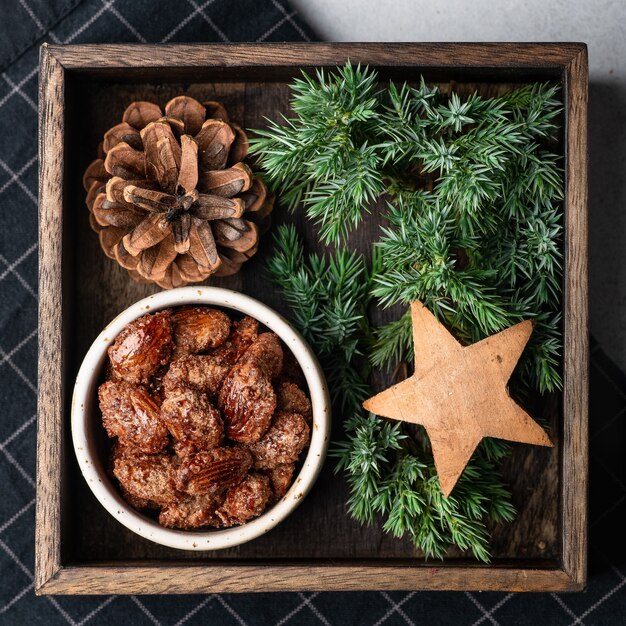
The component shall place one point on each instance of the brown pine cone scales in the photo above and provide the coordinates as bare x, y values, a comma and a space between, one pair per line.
172, 200
207, 429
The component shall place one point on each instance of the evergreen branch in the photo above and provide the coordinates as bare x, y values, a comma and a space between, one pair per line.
322, 158
474, 231
388, 472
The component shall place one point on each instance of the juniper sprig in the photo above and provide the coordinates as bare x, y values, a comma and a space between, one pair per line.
389, 474
321, 158
473, 192
471, 189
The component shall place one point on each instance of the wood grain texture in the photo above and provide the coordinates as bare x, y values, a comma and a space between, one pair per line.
318, 547
576, 316
50, 410
459, 394
234, 55
131, 579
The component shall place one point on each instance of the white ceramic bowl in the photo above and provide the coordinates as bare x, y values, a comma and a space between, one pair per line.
87, 426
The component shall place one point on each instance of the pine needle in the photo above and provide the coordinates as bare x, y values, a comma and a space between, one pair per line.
387, 472
473, 229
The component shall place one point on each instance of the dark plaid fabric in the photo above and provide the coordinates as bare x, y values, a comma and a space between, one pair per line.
24, 25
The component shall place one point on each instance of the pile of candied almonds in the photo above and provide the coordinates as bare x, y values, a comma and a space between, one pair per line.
208, 416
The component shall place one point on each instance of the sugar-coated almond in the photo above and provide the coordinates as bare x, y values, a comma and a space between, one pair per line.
247, 398
246, 500
192, 419
212, 472
208, 416
130, 413
247, 401
197, 329
291, 399
142, 347
206, 372
191, 512
288, 435
149, 477
280, 479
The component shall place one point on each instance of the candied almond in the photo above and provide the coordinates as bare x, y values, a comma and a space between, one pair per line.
202, 372
157, 384
149, 477
212, 472
280, 479
130, 413
247, 399
246, 500
206, 372
191, 512
197, 329
267, 353
192, 419
118, 451
134, 501
181, 449
291, 399
286, 438
291, 372
142, 347
244, 333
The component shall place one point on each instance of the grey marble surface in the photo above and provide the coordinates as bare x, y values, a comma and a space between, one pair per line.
599, 23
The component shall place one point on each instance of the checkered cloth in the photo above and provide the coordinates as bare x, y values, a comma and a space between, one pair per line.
24, 25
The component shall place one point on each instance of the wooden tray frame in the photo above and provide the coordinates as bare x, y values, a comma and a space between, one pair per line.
567, 61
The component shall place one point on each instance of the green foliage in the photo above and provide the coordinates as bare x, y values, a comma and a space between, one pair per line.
321, 158
389, 472
389, 476
480, 245
476, 288
328, 297
472, 193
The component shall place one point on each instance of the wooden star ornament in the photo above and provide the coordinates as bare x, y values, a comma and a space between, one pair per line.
459, 393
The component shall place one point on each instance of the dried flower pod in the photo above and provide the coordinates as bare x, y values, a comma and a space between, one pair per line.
122, 132
180, 173
246, 500
216, 111
212, 472
142, 347
140, 114
130, 413
288, 435
192, 419
95, 173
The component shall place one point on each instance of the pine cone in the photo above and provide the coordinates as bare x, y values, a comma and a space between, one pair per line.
171, 198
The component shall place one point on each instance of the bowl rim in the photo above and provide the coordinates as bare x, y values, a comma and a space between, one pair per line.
95, 473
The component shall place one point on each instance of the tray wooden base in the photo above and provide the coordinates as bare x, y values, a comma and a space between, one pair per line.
80, 548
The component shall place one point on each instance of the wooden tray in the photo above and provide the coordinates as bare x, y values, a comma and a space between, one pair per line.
83, 550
